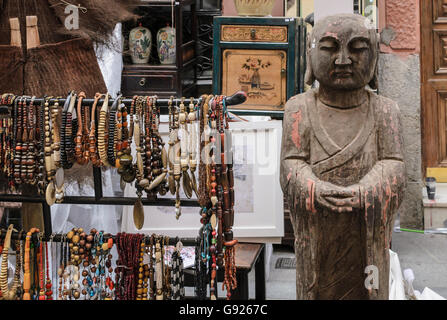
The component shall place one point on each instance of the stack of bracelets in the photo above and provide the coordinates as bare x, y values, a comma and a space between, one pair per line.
80, 265
41, 140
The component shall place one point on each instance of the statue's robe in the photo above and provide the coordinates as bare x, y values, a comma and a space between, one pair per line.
333, 249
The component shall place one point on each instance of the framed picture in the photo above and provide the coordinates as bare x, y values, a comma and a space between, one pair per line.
259, 210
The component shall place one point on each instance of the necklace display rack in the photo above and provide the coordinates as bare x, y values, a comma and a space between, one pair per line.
99, 198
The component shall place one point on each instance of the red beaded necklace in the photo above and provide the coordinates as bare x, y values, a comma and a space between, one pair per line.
48, 285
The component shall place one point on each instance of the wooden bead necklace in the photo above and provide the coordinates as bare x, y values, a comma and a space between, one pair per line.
41, 173
126, 168
79, 140
66, 133
152, 288
18, 143
93, 150
177, 276
27, 274
140, 285
102, 130
113, 134
159, 268
10, 293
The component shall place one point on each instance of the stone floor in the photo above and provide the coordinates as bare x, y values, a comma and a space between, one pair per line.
425, 254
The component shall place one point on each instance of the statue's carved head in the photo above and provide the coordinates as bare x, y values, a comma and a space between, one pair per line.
342, 53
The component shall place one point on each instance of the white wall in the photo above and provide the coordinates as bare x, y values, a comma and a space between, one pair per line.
328, 7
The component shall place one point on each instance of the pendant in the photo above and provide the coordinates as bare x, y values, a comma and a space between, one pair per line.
171, 183
187, 185
213, 221
50, 194
122, 183
194, 184
138, 214
129, 174
157, 181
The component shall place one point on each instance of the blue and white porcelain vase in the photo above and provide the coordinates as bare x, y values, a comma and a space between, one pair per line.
166, 45
140, 43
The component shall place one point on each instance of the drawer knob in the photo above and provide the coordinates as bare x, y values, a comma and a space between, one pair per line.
253, 34
142, 82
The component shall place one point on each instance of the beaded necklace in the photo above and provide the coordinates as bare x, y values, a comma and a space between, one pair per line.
18, 143
193, 145
111, 149
27, 274
171, 181
126, 168
93, 151
79, 140
152, 288
102, 138
159, 268
64, 133
140, 284
41, 175
9, 293
41, 271
48, 285
177, 276
30, 160
70, 132
184, 152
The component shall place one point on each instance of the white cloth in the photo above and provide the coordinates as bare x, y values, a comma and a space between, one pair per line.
401, 286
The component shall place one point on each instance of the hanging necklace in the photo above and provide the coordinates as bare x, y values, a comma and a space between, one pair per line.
10, 293
102, 141
93, 151
27, 274
184, 152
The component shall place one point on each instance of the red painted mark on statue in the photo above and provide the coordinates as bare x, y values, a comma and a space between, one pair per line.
310, 201
367, 205
387, 201
289, 175
295, 129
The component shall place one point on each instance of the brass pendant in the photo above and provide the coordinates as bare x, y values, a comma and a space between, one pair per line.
138, 214
50, 194
187, 185
129, 175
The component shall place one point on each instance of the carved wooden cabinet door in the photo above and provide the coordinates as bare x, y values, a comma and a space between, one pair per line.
259, 73
262, 56
434, 87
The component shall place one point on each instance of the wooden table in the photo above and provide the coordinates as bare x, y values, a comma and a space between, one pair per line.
249, 255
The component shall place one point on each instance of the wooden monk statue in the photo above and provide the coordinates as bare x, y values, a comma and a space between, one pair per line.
342, 167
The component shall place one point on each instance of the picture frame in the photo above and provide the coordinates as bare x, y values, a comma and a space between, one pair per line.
259, 210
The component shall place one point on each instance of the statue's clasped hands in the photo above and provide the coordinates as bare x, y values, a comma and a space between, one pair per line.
336, 198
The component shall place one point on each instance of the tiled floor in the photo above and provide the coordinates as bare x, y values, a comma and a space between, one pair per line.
425, 254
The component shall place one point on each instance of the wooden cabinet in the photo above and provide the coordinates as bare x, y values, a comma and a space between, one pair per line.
262, 56
153, 78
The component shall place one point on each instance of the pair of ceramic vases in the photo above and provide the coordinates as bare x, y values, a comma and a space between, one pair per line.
140, 45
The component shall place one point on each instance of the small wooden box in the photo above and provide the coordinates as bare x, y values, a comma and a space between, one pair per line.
262, 56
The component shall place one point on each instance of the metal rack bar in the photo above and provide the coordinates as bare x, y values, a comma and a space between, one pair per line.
60, 238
